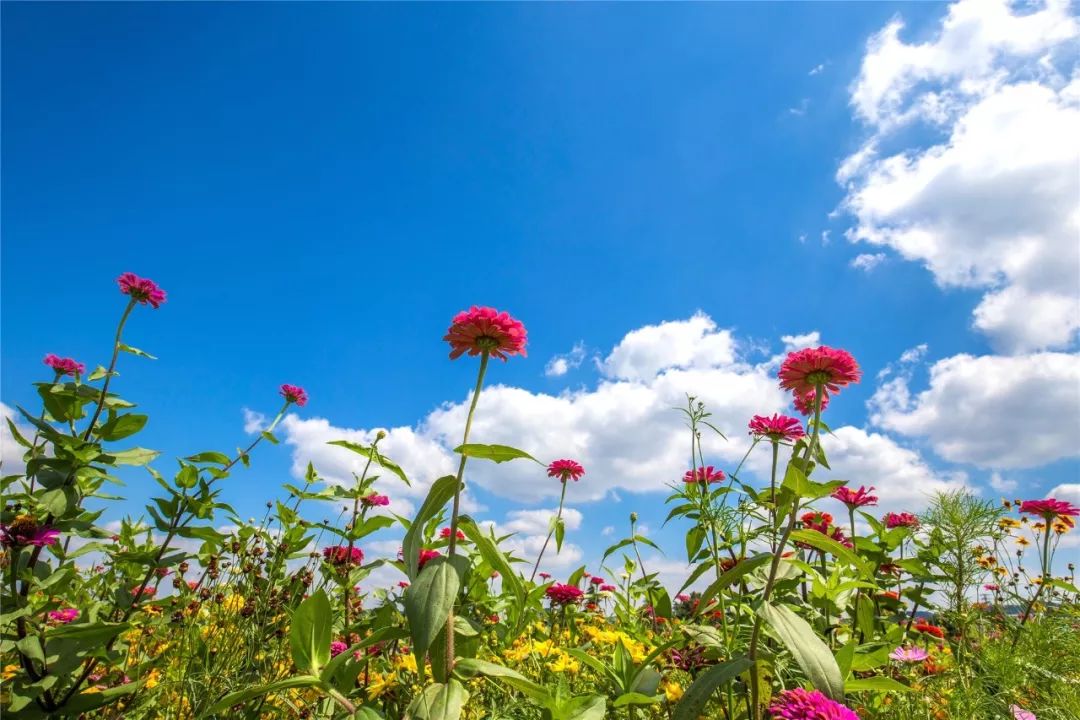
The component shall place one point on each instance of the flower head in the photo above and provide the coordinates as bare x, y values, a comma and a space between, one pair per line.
426, 556
925, 627
1020, 713
607, 588
294, 394
822, 522
24, 530
545, 576
565, 470
904, 519
375, 499
64, 366
485, 329
913, 654
804, 402
1049, 508
707, 475
776, 428
337, 647
560, 594
343, 555
596, 580
64, 615
142, 290
802, 704
445, 534
828, 368
855, 498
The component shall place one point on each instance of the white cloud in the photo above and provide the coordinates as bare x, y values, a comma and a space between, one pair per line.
913, 355
798, 342
991, 411
817, 69
11, 452
800, 109
608, 530
1004, 221
1001, 484
1069, 492
867, 261
559, 365
693, 343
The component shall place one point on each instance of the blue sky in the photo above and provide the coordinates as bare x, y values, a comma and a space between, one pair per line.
319, 188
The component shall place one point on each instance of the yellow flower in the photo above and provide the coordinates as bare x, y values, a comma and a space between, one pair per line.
92, 690
1023, 541
673, 691
564, 663
406, 662
234, 604
1008, 523
153, 679
9, 672
380, 684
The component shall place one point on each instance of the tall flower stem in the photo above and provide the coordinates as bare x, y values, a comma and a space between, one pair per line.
558, 518
112, 367
1042, 584
772, 493
452, 549
352, 525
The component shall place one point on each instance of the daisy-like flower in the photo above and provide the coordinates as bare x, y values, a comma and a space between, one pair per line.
560, 594
597, 580
776, 428
64, 366
855, 498
912, 654
607, 588
545, 576
64, 615
294, 394
828, 368
1022, 541
1020, 713
904, 519
24, 530
1049, 508
142, 290
707, 475
804, 403
485, 329
343, 555
991, 587
822, 523
565, 470
445, 534
802, 704
375, 500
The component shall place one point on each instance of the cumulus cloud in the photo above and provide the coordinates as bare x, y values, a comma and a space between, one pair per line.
559, 365
1004, 222
693, 343
867, 261
994, 412
11, 452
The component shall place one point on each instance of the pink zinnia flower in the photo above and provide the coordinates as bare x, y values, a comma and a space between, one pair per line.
427, 556
24, 530
485, 329
337, 647
1020, 713
777, 427
565, 470
822, 523
991, 587
64, 366
146, 591
142, 290
828, 368
402, 584
801, 704
804, 403
1048, 508
855, 498
294, 394
64, 616
904, 519
342, 555
913, 654
607, 588
445, 534
596, 580
707, 475
545, 576
375, 499
560, 594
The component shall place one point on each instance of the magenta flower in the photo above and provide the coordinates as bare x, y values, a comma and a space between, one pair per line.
776, 428
1020, 713
707, 475
560, 594
801, 704
427, 556
485, 329
337, 647
855, 498
143, 591
595, 580
822, 523
445, 534
904, 519
828, 368
991, 587
374, 500
545, 576
64, 366
1049, 508
294, 394
804, 403
607, 588
343, 555
64, 615
565, 470
912, 654
142, 290
24, 530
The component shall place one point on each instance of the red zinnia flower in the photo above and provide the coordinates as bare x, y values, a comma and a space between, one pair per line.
145, 591
855, 498
889, 595
828, 368
822, 522
426, 556
596, 580
607, 588
804, 403
565, 470
1048, 508
142, 290
445, 534
560, 594
294, 394
929, 629
343, 555
375, 499
64, 366
706, 475
481, 329
802, 704
777, 427
904, 519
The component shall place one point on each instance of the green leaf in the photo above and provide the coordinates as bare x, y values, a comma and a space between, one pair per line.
495, 453
85, 702
134, 456
692, 704
122, 426
560, 533
469, 667
30, 646
136, 351
374, 455
823, 542
634, 698
442, 490
209, 456
428, 602
741, 568
493, 556
584, 707
269, 437
812, 655
879, 684
309, 634
438, 701
255, 691
58, 500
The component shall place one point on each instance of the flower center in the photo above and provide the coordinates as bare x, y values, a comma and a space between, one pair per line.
486, 342
819, 378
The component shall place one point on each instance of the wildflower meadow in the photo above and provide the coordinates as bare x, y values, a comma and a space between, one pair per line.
954, 612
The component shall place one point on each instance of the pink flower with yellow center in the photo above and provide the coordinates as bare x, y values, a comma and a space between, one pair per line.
64, 615
855, 498
560, 594
776, 428
64, 366
913, 654
707, 475
565, 470
830, 369
804, 403
375, 500
1049, 508
904, 519
142, 290
485, 329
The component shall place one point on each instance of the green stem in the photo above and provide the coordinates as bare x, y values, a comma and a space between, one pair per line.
109, 372
558, 518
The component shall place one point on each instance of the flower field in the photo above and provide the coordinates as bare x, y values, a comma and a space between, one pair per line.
959, 611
